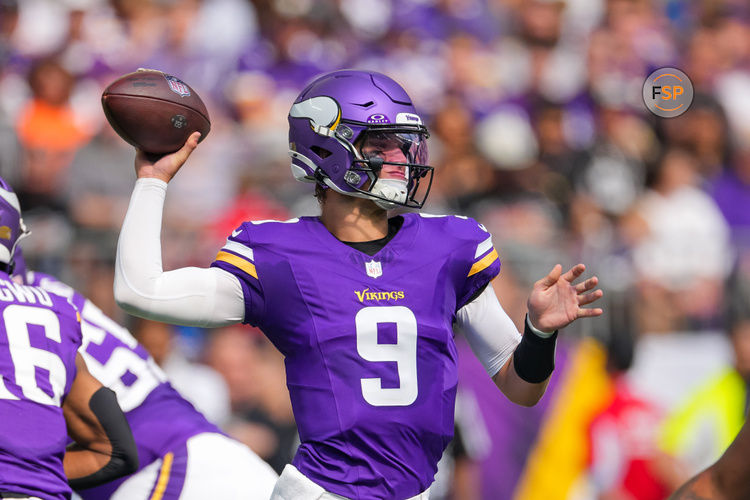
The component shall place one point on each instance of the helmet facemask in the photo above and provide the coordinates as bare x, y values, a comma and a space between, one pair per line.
393, 160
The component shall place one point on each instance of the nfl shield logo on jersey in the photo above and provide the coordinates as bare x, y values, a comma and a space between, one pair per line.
374, 269
177, 86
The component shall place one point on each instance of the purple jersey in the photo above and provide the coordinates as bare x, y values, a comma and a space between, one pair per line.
39, 336
161, 420
368, 340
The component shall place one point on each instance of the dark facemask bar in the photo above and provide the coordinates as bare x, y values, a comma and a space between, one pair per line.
371, 168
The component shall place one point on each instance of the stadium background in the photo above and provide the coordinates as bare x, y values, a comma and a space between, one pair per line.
538, 130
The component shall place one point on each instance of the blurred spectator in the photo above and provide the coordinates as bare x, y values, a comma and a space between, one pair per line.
683, 254
197, 383
704, 425
99, 184
262, 412
8, 23
249, 204
624, 459
731, 192
50, 134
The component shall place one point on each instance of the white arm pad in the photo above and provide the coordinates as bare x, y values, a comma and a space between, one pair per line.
488, 329
189, 296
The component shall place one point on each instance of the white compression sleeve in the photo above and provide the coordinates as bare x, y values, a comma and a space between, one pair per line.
490, 332
205, 297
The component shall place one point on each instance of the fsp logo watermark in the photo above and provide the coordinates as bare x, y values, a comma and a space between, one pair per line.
668, 92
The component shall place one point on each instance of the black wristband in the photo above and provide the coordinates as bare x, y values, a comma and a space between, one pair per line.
534, 358
124, 458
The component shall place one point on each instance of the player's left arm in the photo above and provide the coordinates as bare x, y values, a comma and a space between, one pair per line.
493, 337
519, 365
104, 447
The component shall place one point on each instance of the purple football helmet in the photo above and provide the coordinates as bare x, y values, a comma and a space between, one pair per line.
12, 228
338, 112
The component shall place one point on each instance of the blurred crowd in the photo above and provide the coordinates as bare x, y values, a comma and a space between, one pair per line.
538, 130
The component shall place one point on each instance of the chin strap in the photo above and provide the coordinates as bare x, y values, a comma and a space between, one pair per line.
391, 189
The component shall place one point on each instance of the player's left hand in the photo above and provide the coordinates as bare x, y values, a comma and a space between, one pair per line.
555, 301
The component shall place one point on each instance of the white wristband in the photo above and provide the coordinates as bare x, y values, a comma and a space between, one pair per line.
538, 332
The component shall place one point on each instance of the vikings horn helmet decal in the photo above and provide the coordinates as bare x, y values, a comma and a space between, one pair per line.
340, 111
322, 111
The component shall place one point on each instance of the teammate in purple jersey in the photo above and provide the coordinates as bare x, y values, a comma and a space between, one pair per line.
189, 457
176, 444
362, 305
45, 388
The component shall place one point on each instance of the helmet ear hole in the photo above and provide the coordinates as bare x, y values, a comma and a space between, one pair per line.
321, 152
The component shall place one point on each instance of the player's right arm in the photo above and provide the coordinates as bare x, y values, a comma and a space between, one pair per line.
521, 366
194, 296
104, 447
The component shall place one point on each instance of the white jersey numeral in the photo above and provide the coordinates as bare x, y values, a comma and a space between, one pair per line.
403, 352
26, 359
144, 374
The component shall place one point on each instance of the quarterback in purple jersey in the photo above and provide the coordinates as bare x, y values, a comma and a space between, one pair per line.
46, 393
362, 306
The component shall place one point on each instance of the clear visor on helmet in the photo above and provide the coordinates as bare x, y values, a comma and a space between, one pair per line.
394, 146
392, 153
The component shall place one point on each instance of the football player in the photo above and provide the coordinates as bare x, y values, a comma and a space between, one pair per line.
182, 455
361, 305
44, 387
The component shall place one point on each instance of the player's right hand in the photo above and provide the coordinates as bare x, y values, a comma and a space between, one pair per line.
164, 167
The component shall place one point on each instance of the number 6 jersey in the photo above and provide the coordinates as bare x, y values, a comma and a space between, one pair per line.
368, 340
39, 336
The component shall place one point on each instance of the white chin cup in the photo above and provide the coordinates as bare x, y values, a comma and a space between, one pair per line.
390, 189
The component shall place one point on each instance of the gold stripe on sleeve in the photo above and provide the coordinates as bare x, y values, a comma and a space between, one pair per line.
161, 483
238, 262
484, 263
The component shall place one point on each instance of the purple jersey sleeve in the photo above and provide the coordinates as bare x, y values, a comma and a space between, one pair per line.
474, 261
475, 253
237, 257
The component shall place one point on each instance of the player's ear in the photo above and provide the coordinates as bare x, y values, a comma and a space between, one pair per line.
320, 193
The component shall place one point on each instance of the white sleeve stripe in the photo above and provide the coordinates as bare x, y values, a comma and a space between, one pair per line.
483, 247
239, 249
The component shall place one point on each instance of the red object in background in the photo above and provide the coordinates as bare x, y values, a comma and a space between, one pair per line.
622, 447
246, 207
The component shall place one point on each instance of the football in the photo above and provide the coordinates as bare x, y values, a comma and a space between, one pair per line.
154, 111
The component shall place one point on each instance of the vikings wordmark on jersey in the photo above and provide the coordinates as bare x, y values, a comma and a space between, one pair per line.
369, 351
39, 336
